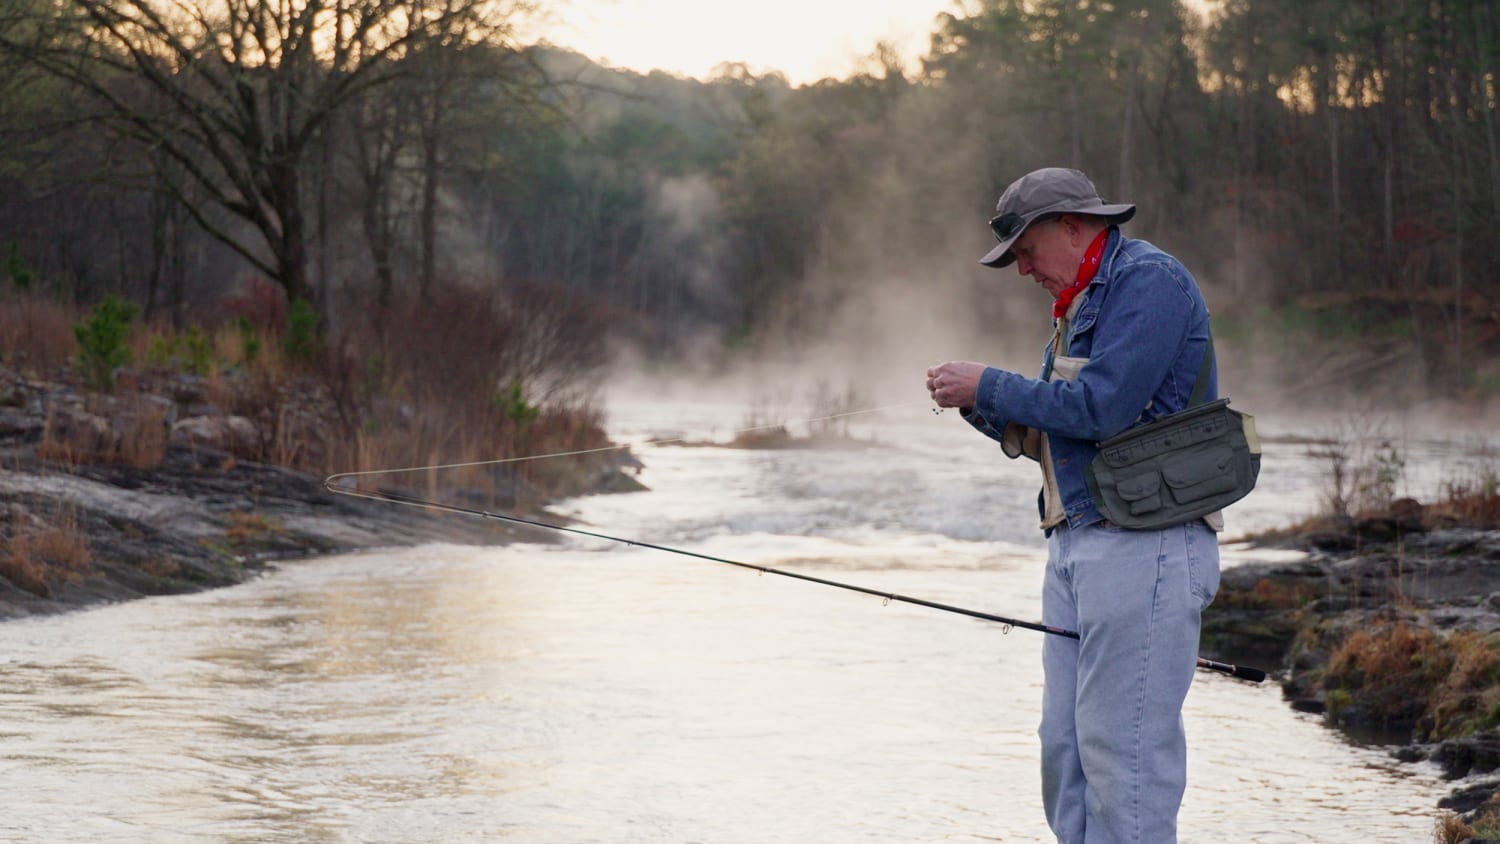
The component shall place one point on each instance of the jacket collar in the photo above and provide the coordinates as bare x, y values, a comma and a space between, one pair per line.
1111, 251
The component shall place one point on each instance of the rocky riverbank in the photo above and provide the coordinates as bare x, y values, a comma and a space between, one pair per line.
1387, 626
152, 489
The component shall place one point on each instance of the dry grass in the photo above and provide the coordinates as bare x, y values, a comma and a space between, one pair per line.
1397, 676
1385, 674
37, 332
1473, 500
246, 527
1272, 594
471, 375
468, 379
1468, 699
36, 558
1449, 828
143, 435
65, 443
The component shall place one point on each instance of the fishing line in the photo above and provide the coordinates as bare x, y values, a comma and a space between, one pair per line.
1254, 675
622, 446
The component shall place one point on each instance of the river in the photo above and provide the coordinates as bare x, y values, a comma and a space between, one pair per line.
588, 691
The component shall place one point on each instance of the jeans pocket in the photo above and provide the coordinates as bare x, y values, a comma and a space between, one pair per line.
1203, 566
1203, 577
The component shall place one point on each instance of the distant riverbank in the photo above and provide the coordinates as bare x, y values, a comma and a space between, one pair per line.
87, 521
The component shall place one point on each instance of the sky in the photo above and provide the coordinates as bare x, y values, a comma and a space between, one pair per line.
806, 40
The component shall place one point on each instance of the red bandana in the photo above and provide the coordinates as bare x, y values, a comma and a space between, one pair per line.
1086, 272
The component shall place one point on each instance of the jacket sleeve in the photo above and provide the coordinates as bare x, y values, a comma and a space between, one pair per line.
985, 416
1137, 336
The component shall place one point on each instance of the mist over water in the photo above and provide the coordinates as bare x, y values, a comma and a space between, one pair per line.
577, 690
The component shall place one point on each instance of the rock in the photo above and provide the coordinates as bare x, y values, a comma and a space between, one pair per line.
1469, 798
230, 434
12, 393
18, 424
77, 433
1476, 754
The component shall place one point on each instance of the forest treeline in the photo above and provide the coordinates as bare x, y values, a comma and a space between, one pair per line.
1330, 170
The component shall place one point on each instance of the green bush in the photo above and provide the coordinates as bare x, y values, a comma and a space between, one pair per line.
301, 339
249, 340
102, 338
512, 400
199, 350
19, 275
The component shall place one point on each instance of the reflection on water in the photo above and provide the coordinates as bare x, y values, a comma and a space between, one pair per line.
588, 692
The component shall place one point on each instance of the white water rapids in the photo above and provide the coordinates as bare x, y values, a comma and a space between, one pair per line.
586, 691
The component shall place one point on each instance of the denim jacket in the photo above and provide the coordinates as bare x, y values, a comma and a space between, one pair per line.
1144, 329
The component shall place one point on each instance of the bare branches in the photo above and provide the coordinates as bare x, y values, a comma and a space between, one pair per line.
234, 92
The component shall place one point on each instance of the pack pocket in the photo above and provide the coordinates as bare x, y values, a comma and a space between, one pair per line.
1197, 474
1141, 493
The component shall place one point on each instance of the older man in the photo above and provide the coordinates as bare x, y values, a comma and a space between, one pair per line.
1130, 343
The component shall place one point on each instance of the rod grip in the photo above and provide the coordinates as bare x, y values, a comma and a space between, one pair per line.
1245, 672
1242, 672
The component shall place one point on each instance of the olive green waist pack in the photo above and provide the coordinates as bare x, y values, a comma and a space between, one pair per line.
1179, 468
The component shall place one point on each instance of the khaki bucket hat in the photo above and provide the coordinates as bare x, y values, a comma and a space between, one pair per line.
1042, 194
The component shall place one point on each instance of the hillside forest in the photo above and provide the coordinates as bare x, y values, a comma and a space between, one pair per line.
406, 179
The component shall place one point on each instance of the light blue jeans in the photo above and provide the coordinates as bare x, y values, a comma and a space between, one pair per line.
1114, 754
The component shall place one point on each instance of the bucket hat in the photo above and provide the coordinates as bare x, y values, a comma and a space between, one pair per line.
1042, 194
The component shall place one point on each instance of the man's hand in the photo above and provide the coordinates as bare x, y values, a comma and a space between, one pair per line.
955, 383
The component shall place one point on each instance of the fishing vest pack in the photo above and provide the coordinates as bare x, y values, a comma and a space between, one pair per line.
1179, 468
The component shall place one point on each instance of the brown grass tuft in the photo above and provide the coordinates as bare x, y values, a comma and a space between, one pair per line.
1397, 676
244, 527
37, 332
1468, 699
144, 434
1386, 673
1449, 828
55, 552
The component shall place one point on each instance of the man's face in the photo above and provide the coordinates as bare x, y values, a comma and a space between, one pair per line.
1049, 252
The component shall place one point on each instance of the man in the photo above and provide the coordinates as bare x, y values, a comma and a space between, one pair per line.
1131, 335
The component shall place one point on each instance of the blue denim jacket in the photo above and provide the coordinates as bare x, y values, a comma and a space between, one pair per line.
1144, 329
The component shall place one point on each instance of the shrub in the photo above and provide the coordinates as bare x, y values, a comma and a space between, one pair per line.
1361, 478
189, 351
300, 342
16, 268
1384, 676
512, 400
102, 338
55, 552
1396, 676
249, 340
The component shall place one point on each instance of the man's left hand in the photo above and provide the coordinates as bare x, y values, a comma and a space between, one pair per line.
955, 383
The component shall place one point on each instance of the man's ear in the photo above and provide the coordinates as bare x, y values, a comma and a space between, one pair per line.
1073, 226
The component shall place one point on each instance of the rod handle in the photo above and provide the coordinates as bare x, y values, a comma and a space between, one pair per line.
1242, 672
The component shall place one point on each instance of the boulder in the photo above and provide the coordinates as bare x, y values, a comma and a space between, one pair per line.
233, 434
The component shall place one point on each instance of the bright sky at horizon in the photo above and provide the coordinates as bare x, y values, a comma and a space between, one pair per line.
806, 40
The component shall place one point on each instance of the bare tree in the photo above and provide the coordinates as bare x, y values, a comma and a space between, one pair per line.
234, 93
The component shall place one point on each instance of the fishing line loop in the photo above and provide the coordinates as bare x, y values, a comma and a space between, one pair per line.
336, 484
1254, 675
331, 479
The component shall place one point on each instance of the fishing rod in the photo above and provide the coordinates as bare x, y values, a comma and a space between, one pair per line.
1243, 672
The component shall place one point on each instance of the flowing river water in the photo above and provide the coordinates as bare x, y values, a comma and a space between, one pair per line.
588, 691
